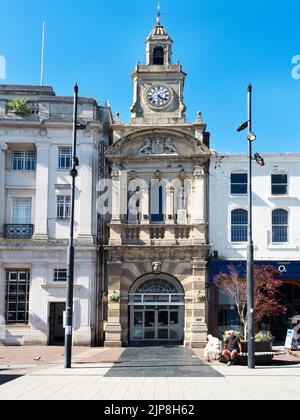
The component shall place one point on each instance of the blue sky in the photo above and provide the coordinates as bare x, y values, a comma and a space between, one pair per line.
222, 45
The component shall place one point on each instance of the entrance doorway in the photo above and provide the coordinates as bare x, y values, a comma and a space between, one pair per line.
156, 324
56, 324
156, 312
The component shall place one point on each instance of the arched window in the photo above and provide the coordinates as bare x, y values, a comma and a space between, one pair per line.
280, 226
239, 225
279, 183
158, 56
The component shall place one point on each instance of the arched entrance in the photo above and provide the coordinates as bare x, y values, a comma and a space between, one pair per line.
156, 305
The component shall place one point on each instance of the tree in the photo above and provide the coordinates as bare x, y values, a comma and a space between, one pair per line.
267, 295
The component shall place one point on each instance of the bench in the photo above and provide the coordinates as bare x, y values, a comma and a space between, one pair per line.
264, 358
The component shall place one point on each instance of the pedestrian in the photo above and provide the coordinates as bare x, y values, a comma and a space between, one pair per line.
212, 349
233, 348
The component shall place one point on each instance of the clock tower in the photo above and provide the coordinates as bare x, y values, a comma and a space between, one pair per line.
158, 85
157, 245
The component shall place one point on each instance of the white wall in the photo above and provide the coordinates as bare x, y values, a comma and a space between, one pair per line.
222, 203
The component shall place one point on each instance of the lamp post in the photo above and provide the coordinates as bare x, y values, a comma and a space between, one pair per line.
250, 253
71, 248
250, 248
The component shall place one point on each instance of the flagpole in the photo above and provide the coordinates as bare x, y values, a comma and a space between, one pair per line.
43, 55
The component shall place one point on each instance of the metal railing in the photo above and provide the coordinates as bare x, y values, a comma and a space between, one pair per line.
18, 231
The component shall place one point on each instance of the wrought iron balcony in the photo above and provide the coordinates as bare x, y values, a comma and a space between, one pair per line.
18, 231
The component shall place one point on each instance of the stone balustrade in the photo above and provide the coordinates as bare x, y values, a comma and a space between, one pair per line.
139, 234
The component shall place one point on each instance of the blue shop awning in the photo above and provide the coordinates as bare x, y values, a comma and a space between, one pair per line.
290, 270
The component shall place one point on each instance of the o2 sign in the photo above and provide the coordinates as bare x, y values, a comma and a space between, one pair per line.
282, 269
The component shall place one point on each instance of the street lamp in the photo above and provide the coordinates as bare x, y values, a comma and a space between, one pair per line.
71, 248
250, 253
252, 137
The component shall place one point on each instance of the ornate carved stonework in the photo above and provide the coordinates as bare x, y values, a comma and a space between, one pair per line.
158, 146
3, 147
199, 173
115, 175
156, 267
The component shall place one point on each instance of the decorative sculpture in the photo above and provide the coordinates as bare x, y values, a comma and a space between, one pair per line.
158, 146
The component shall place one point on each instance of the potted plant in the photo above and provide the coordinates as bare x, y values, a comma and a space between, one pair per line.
200, 298
114, 297
20, 106
264, 342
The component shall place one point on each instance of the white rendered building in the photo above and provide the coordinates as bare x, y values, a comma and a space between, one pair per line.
276, 227
35, 158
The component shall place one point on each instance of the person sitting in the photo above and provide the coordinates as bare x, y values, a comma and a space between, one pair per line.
212, 349
233, 348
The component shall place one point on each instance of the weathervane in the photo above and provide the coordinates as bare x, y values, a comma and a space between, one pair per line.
159, 13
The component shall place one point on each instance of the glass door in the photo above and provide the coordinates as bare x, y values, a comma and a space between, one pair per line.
163, 325
138, 325
156, 324
174, 325
150, 325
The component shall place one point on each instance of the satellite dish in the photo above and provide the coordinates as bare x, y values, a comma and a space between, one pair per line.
3, 147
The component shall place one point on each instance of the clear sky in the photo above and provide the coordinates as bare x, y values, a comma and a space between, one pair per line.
222, 44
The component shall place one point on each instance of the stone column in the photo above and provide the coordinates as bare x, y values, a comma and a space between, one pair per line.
86, 193
199, 191
37, 311
113, 331
199, 329
199, 206
119, 179
116, 197
169, 205
42, 192
3, 148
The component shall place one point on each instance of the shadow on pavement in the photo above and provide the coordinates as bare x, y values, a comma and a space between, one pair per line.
4, 379
166, 362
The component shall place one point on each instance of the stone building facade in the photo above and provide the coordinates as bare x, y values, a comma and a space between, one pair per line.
35, 158
158, 245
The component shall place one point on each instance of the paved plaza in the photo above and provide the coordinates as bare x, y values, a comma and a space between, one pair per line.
164, 373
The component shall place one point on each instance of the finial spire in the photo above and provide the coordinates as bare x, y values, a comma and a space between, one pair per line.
158, 20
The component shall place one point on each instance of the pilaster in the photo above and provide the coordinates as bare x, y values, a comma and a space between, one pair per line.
3, 148
113, 330
86, 193
42, 191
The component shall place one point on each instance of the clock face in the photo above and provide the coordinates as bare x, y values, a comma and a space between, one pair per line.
158, 96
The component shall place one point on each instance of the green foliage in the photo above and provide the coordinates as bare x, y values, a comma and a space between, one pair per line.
261, 337
264, 337
114, 297
200, 298
19, 106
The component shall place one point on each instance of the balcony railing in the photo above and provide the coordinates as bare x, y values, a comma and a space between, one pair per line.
121, 234
18, 231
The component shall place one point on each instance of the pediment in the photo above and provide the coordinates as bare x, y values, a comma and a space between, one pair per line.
156, 143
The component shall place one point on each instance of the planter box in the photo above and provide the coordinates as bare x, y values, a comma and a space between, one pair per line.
259, 347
